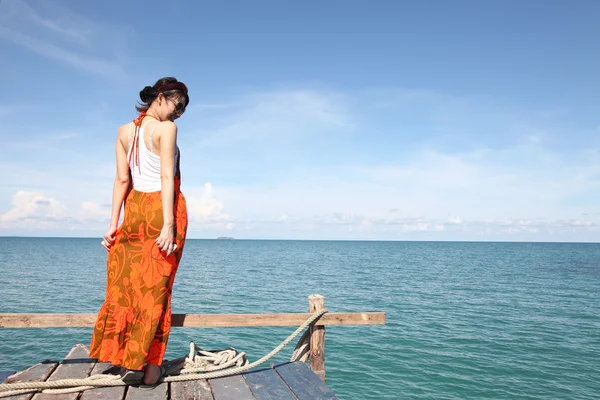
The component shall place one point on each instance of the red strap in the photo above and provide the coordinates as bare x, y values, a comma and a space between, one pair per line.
136, 141
138, 120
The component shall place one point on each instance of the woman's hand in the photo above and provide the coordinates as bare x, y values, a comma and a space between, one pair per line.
166, 240
109, 237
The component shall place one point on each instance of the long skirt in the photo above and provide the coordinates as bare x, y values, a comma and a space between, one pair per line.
134, 322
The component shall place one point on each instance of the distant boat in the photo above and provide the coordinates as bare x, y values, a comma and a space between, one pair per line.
224, 238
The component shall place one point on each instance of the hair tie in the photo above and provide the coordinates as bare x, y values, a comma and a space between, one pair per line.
147, 94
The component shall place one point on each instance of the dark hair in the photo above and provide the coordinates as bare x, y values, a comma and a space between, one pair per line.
150, 93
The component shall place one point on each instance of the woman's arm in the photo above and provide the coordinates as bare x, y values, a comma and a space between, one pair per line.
120, 187
167, 139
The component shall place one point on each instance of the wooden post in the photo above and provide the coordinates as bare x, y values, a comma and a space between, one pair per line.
316, 303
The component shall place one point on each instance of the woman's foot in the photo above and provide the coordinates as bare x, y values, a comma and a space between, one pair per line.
113, 370
152, 373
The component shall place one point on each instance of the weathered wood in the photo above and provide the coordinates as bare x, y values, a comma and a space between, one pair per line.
76, 365
196, 320
266, 384
303, 382
112, 392
5, 374
231, 387
193, 390
37, 373
157, 393
47, 320
316, 303
190, 390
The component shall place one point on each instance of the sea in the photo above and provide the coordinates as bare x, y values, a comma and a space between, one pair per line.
464, 320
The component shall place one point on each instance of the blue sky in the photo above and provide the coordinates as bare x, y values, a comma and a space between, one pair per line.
387, 120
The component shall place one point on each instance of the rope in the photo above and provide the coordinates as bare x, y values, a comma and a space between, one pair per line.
219, 374
302, 348
220, 359
79, 388
65, 385
10, 389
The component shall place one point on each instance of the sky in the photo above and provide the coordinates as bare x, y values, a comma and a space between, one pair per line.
325, 120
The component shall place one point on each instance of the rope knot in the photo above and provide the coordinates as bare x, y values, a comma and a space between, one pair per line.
199, 360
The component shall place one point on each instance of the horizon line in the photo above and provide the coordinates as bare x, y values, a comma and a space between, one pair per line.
232, 239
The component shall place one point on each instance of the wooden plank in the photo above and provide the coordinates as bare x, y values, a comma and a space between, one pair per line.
190, 390
196, 320
231, 388
303, 382
47, 320
113, 392
76, 365
159, 392
196, 390
266, 384
37, 373
5, 374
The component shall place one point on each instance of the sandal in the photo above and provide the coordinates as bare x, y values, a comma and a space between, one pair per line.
163, 372
132, 377
113, 370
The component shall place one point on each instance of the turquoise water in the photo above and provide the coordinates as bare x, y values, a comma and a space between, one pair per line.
464, 320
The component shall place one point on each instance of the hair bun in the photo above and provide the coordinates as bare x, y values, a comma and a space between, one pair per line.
147, 94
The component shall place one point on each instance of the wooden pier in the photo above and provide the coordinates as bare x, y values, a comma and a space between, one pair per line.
291, 380
279, 382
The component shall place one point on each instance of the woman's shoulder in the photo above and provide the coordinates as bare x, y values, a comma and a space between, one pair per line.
123, 133
168, 127
125, 128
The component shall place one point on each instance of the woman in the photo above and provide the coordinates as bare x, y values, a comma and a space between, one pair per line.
133, 324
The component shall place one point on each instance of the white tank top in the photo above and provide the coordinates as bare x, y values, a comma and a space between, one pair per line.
146, 174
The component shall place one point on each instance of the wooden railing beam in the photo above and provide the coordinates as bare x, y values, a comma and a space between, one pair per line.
196, 320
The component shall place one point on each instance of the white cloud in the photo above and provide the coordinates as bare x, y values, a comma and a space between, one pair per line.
33, 211
277, 116
93, 211
204, 207
422, 226
454, 220
32, 206
56, 32
290, 164
466, 195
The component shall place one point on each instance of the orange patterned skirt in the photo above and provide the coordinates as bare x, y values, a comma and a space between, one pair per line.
134, 322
